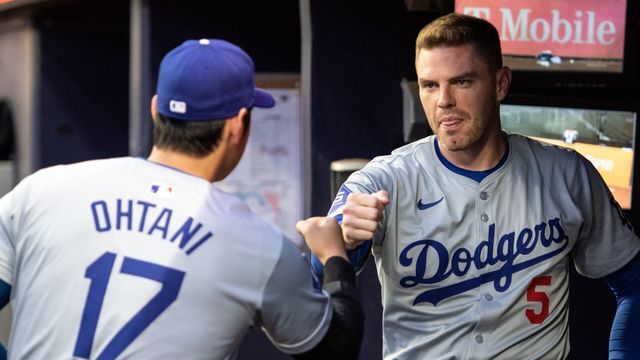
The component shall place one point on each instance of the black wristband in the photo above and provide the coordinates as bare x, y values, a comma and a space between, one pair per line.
340, 279
339, 269
341, 289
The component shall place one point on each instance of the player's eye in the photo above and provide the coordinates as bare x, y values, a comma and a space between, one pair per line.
463, 82
428, 85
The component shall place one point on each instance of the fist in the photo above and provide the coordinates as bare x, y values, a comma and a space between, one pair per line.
323, 237
360, 217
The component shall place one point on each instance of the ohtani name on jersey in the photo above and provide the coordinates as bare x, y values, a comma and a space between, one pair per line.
146, 217
549, 235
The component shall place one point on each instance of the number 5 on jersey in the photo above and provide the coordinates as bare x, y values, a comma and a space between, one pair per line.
533, 295
99, 272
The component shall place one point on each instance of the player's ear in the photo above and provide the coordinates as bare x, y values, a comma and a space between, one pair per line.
236, 126
154, 106
503, 80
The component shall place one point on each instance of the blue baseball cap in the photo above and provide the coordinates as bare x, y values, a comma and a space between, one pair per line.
208, 80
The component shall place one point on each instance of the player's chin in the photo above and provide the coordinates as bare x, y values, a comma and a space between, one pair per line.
452, 143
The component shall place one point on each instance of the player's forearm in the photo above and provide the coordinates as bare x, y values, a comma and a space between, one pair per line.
357, 257
344, 336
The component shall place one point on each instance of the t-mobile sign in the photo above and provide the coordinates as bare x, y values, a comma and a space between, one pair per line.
591, 29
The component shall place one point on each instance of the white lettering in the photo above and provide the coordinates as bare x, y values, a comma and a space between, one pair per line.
556, 22
533, 32
510, 30
590, 26
557, 29
578, 32
606, 28
478, 12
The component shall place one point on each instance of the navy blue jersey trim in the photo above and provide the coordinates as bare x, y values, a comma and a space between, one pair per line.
477, 176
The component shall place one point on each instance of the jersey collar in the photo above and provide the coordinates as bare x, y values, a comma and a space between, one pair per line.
477, 176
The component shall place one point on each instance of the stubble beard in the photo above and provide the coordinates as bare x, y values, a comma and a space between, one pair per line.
458, 139
457, 142
469, 136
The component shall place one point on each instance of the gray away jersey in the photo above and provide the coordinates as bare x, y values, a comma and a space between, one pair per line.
125, 258
480, 270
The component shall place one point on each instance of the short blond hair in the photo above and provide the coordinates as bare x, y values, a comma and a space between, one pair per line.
457, 29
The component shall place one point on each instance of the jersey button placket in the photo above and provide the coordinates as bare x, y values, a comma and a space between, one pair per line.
484, 298
484, 196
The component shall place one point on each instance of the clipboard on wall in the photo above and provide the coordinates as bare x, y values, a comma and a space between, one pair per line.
269, 177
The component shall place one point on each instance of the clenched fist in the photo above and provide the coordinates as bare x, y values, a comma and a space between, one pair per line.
360, 216
323, 237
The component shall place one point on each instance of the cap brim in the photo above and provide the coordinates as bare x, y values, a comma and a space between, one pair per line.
263, 99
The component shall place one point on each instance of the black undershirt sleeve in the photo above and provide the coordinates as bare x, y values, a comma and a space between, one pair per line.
344, 336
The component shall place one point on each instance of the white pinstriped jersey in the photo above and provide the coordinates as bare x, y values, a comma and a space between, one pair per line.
125, 258
479, 270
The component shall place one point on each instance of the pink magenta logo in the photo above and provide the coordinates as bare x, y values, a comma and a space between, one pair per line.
587, 29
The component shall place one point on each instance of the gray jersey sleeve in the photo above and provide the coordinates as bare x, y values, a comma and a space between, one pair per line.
607, 240
294, 315
370, 179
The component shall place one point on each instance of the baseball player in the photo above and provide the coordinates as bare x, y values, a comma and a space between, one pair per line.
471, 229
147, 259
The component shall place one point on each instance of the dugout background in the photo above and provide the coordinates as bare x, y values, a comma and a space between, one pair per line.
79, 76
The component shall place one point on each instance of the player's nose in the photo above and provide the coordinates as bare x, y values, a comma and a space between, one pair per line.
445, 97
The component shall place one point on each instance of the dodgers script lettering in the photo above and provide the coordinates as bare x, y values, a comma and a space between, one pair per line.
501, 256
